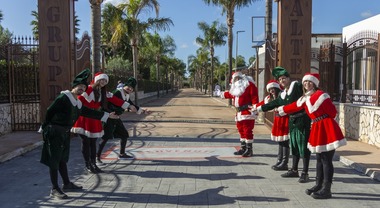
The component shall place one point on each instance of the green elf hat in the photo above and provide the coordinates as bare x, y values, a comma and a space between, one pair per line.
81, 78
279, 71
131, 82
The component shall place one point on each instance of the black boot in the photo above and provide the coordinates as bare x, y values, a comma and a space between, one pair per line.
285, 159
248, 152
97, 169
242, 149
279, 157
324, 192
90, 168
317, 187
304, 176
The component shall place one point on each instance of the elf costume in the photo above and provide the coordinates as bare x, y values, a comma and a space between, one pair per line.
299, 125
115, 127
60, 117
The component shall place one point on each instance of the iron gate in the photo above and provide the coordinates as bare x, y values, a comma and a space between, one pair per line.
24, 85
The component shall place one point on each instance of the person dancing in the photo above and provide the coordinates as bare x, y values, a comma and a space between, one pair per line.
60, 117
95, 97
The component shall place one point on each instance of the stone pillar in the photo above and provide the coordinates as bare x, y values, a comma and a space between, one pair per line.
57, 47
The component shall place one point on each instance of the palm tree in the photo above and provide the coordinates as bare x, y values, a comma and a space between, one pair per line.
96, 25
214, 35
111, 18
135, 27
34, 24
157, 47
198, 67
229, 8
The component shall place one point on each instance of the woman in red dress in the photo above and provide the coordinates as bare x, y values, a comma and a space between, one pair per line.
325, 134
95, 97
280, 127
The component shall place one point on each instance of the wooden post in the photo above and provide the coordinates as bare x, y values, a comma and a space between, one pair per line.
294, 36
56, 47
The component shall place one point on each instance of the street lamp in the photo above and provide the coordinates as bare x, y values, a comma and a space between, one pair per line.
237, 45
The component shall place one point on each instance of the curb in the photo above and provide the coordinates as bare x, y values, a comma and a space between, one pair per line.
19, 151
374, 174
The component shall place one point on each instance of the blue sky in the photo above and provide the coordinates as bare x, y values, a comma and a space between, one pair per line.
329, 16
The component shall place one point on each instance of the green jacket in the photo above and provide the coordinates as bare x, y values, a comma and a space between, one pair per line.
119, 93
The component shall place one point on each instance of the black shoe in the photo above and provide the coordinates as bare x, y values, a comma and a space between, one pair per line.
239, 152
58, 194
125, 157
304, 178
90, 168
71, 187
99, 161
291, 174
248, 150
280, 167
97, 169
315, 188
324, 192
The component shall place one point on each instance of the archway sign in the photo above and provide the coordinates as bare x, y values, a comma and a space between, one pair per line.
57, 47
294, 36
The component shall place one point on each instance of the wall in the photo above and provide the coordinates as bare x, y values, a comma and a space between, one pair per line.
5, 119
360, 123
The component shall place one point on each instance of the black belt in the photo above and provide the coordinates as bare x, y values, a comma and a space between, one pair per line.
319, 118
297, 115
241, 108
61, 128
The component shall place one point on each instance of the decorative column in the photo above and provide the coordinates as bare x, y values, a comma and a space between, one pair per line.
294, 36
56, 44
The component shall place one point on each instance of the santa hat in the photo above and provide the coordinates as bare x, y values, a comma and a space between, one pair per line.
99, 76
236, 74
312, 77
272, 84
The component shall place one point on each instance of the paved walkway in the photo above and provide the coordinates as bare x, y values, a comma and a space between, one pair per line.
184, 159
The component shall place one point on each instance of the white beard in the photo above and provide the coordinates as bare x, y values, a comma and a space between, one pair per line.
238, 87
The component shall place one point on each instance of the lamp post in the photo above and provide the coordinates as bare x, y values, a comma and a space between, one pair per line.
237, 45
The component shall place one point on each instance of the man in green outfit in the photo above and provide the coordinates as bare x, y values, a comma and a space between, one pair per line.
299, 123
60, 117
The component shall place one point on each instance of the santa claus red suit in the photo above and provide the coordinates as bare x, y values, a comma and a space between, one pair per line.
244, 93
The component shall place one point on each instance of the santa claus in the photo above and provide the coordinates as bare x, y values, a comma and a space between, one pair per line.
244, 93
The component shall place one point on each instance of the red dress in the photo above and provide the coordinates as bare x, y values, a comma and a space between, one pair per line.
325, 133
280, 128
89, 127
